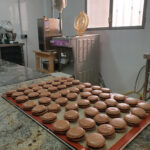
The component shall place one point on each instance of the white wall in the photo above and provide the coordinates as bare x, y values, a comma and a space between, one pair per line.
122, 50
30, 11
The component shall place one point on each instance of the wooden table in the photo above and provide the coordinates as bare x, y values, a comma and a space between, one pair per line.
50, 56
147, 57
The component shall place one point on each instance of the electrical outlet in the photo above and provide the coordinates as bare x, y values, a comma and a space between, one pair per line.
24, 36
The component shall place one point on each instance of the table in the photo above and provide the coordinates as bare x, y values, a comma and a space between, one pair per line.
12, 52
11, 73
147, 57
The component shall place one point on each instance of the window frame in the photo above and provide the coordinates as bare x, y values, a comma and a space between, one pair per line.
111, 16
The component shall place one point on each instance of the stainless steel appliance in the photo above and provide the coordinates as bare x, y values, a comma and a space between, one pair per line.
47, 28
86, 55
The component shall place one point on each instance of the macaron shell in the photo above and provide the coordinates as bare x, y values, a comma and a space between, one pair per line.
75, 132
139, 112
87, 123
95, 140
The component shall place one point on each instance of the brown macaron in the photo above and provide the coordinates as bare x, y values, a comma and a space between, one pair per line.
45, 94
71, 115
76, 82
85, 94
83, 103
87, 90
55, 83
64, 92
60, 87
44, 101
111, 102
131, 101
119, 124
54, 96
75, 134
49, 117
54, 108
74, 90
105, 90
22, 89
56, 79
61, 126
87, 123
26, 92
101, 106
46, 86
64, 78
32, 86
16, 94
101, 119
119, 98
10, 92
33, 95
72, 96
21, 99
41, 83
140, 112
124, 107
132, 120
95, 141
29, 105
53, 89
68, 84
36, 88
93, 98
87, 84
145, 106
106, 130
91, 112
70, 79
62, 81
39, 110
81, 87
104, 96
62, 101
49, 81
96, 87
42, 90
71, 106
96, 92
113, 112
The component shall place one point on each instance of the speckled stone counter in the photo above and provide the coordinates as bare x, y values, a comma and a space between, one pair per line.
11, 73
18, 132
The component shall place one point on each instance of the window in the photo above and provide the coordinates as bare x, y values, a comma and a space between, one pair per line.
116, 13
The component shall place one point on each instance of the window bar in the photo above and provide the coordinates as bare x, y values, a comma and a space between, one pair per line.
140, 11
144, 13
110, 13
131, 17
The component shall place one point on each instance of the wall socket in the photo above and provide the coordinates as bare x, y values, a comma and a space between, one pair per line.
24, 36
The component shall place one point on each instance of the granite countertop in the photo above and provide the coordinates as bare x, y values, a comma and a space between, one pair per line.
11, 73
18, 132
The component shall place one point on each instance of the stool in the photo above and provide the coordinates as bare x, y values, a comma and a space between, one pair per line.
147, 57
50, 56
